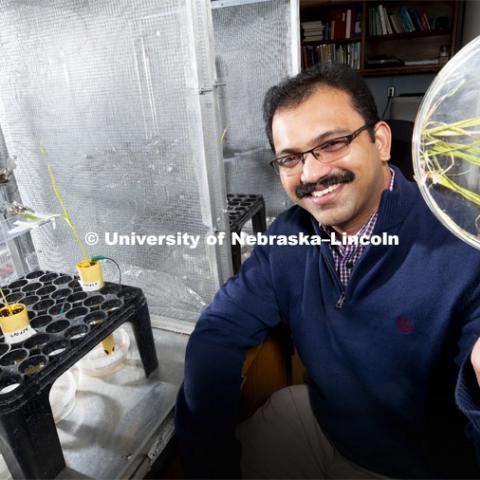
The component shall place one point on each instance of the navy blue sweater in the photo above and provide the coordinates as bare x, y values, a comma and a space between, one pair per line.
392, 384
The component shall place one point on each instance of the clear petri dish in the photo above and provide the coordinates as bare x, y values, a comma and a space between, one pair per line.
446, 145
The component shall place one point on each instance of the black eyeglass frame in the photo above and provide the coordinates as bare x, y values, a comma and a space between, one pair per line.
349, 139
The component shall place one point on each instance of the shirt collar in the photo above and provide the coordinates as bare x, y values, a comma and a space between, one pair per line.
366, 226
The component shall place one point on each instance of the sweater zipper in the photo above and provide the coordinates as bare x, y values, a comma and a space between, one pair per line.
340, 301
341, 298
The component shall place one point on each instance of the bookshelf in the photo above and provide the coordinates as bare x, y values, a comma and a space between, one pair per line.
380, 38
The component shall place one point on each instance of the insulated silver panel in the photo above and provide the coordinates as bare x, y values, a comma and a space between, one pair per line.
118, 97
257, 45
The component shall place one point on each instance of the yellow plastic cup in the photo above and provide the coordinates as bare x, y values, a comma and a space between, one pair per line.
91, 279
108, 344
91, 275
14, 323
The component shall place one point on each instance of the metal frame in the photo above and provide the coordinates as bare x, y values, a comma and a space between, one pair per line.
212, 171
296, 44
234, 3
20, 247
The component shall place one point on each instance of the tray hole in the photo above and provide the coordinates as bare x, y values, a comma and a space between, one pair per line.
37, 341
111, 305
43, 305
77, 297
77, 312
62, 280
46, 290
62, 293
14, 357
31, 287
95, 318
33, 364
15, 297
57, 327
48, 277
6, 291
75, 285
30, 300
94, 302
9, 383
76, 332
18, 284
55, 348
41, 321
33, 275
4, 348
59, 308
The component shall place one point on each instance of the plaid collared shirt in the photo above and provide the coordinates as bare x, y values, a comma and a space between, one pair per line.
346, 256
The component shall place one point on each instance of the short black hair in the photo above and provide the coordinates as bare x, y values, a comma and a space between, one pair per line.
292, 91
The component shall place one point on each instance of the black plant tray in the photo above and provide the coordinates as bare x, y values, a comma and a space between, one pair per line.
242, 207
69, 323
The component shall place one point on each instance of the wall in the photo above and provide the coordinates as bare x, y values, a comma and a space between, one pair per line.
404, 84
420, 83
471, 26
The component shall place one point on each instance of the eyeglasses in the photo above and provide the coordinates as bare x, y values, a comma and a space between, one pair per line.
326, 152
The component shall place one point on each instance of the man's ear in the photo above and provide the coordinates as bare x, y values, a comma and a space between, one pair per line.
383, 140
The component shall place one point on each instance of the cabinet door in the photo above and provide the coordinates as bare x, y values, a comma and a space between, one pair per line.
257, 44
118, 97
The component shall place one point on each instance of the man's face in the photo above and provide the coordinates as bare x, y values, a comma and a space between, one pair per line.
325, 115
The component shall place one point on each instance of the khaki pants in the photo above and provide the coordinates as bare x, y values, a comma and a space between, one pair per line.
284, 440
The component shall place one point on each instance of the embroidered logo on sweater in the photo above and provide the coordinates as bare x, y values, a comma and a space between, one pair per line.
405, 325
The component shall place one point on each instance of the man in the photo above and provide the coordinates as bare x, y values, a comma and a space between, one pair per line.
387, 333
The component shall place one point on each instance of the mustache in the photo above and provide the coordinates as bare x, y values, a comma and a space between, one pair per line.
307, 188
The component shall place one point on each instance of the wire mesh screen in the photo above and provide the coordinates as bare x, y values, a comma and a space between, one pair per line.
256, 45
108, 94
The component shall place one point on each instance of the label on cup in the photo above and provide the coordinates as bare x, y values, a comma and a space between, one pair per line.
91, 286
19, 335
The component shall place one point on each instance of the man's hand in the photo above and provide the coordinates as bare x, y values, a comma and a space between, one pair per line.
475, 359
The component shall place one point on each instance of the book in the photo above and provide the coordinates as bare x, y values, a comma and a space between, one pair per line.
313, 24
378, 25
357, 18
415, 19
406, 19
314, 38
348, 23
383, 26
340, 25
425, 21
387, 21
396, 27
371, 24
402, 28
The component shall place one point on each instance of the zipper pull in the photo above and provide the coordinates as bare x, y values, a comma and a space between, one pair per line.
340, 301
